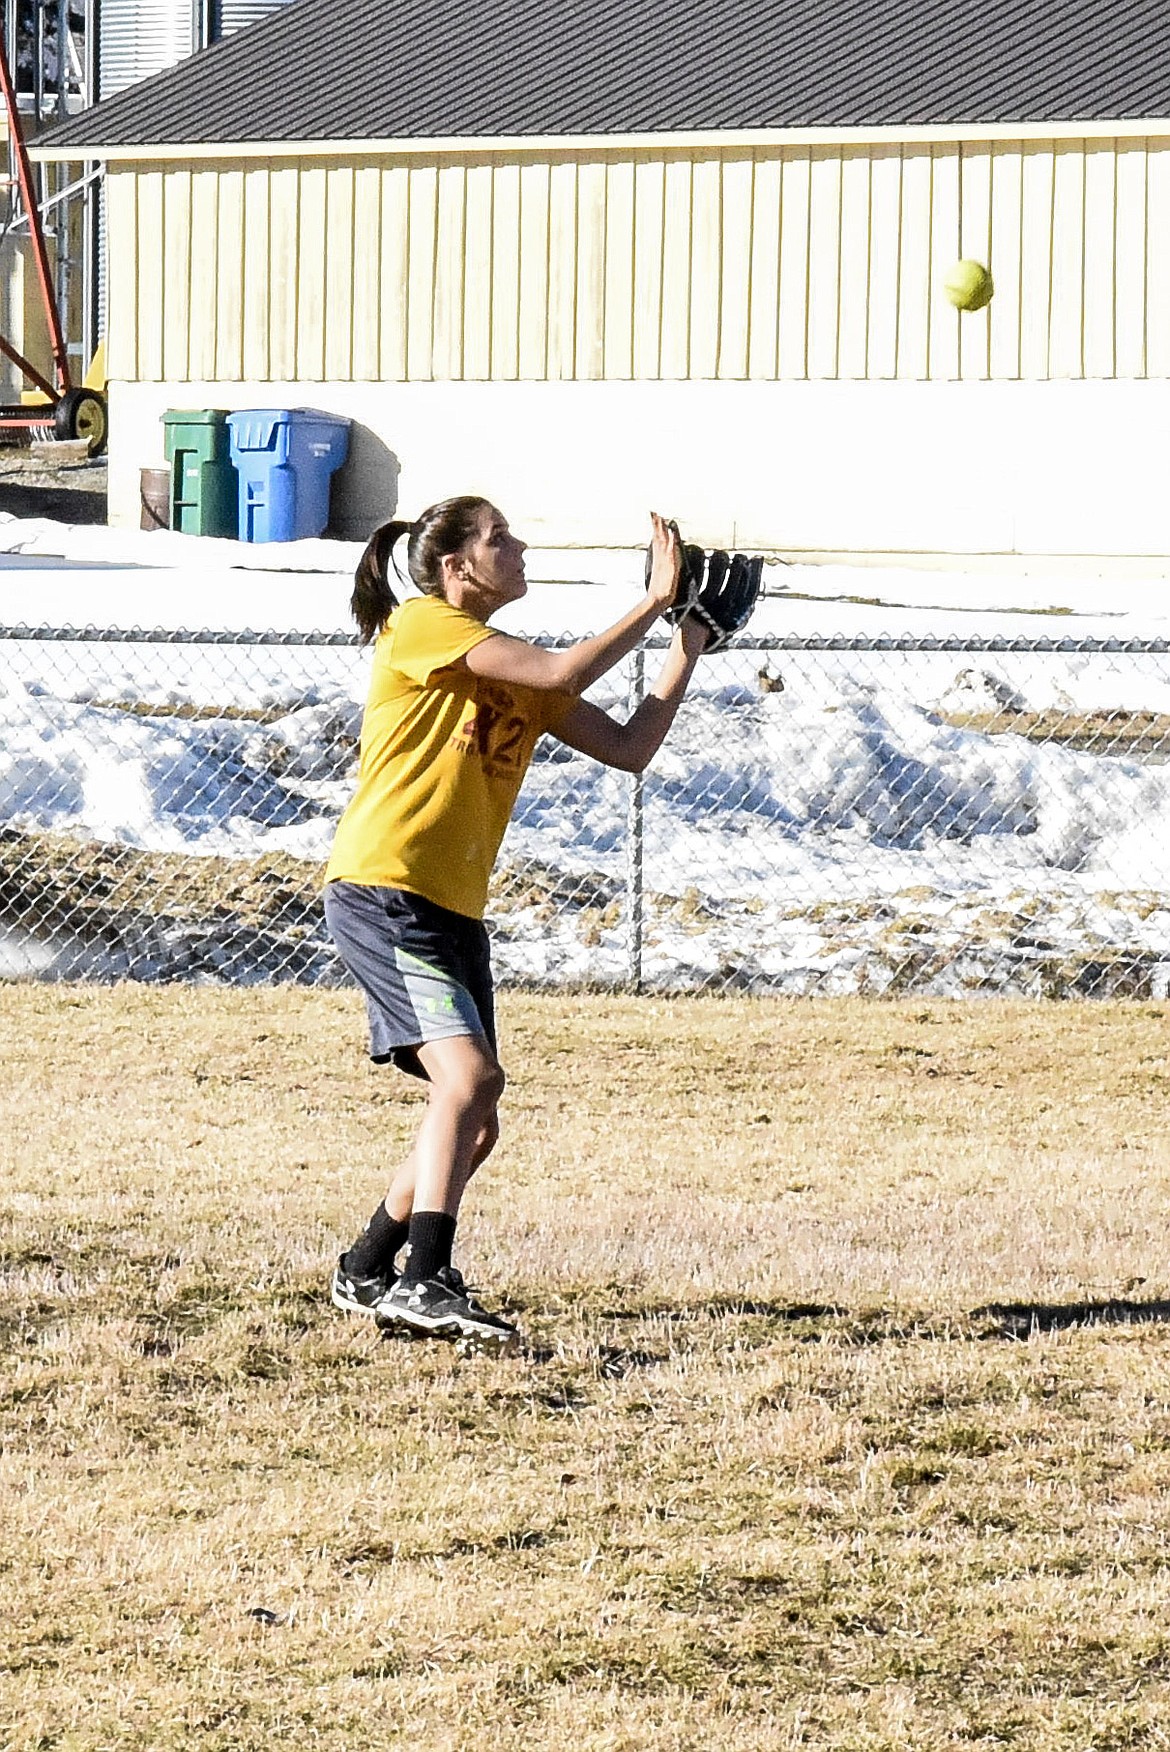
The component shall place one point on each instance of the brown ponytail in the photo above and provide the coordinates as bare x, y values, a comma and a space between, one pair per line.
442, 529
373, 601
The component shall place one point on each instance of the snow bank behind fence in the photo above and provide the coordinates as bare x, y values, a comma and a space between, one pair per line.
848, 813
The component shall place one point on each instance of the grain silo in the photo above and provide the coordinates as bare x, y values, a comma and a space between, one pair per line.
138, 38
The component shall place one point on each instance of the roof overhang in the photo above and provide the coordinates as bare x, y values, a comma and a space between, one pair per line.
605, 145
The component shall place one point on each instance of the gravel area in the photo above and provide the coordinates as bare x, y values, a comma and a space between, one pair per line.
57, 481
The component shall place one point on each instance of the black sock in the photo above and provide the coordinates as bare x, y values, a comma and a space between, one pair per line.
432, 1235
372, 1255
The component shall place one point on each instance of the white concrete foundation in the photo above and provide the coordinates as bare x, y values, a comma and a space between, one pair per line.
963, 468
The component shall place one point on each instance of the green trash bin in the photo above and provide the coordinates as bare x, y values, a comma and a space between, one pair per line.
204, 485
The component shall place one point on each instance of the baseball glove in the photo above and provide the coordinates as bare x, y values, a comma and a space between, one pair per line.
719, 589
727, 595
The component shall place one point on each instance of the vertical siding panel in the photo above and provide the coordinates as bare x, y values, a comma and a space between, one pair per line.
449, 267
257, 322
229, 290
853, 274
1007, 169
478, 282
176, 274
1157, 261
562, 269
150, 276
735, 303
975, 243
204, 270
367, 252
619, 271
675, 345
649, 243
764, 269
944, 252
1100, 355
422, 212
311, 274
706, 266
792, 321
534, 269
121, 269
339, 274
589, 335
1131, 259
505, 334
916, 290
284, 187
394, 273
885, 223
1066, 357
824, 264
1035, 261
122, 276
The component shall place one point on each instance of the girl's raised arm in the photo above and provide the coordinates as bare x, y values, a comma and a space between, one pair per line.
632, 746
502, 658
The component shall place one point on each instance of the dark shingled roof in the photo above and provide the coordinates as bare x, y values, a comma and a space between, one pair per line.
409, 69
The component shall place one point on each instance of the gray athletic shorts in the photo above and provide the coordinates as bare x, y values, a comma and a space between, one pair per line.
426, 972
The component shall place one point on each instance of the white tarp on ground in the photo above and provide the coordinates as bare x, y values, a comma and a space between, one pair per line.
305, 585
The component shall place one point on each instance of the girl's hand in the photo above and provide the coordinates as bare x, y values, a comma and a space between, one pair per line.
665, 564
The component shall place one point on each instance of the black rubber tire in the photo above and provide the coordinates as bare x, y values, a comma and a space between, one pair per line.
81, 413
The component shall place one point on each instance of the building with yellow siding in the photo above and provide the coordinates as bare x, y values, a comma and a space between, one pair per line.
590, 259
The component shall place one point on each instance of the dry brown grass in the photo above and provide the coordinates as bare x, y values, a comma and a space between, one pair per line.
1105, 732
776, 1472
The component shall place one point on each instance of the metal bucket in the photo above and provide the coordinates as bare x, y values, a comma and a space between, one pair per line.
155, 495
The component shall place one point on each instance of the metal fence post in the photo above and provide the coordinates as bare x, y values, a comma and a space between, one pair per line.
635, 843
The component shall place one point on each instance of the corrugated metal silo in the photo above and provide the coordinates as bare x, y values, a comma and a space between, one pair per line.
139, 37
229, 16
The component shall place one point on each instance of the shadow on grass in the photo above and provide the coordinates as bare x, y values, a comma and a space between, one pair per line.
1021, 1319
814, 1323
723, 1307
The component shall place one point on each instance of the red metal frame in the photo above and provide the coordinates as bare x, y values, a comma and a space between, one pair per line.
23, 415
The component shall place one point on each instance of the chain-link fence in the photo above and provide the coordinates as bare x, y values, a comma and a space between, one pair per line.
829, 815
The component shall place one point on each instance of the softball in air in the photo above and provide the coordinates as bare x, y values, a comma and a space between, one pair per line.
968, 285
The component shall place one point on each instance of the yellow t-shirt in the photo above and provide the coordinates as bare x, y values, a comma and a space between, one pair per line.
443, 754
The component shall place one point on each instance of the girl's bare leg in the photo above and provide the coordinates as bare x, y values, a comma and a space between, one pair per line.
399, 1200
458, 1131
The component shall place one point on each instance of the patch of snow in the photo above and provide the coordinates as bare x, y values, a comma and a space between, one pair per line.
835, 833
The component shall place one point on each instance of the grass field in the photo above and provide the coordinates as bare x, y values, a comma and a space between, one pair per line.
844, 1422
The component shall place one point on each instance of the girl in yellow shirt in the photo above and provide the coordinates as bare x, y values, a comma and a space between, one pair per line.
455, 709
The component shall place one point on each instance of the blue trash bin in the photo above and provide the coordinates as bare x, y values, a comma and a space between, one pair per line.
285, 459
